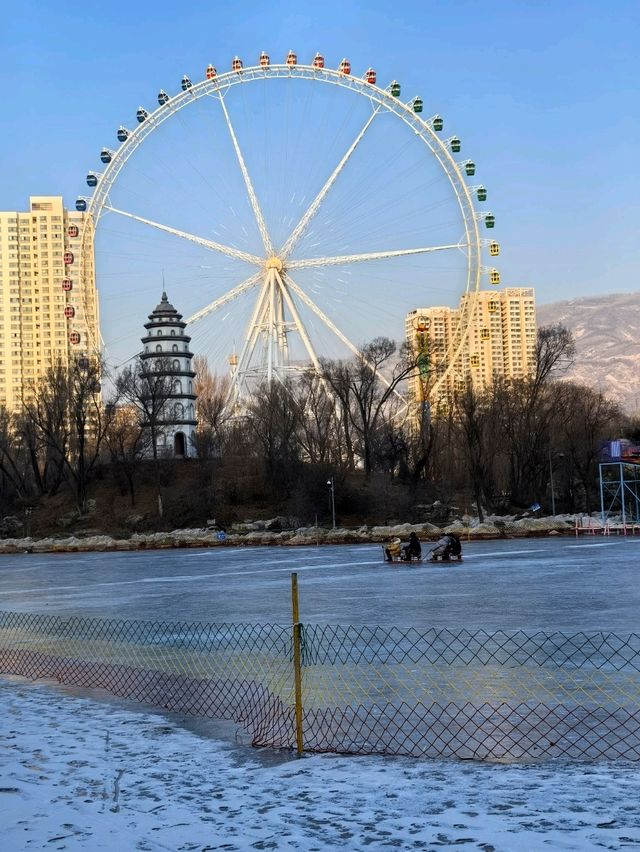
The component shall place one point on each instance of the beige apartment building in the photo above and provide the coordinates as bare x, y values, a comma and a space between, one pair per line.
48, 298
500, 341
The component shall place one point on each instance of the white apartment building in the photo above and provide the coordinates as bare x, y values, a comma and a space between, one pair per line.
500, 341
48, 299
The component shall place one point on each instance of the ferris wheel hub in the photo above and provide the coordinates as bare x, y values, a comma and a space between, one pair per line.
274, 263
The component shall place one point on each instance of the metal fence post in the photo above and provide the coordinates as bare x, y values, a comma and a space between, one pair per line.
297, 665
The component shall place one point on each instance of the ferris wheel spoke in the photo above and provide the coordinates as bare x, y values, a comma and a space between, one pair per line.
229, 296
192, 238
343, 259
291, 284
315, 204
257, 212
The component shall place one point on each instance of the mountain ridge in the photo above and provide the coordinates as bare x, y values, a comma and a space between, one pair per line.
606, 330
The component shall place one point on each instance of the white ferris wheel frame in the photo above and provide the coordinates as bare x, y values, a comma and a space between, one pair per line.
273, 278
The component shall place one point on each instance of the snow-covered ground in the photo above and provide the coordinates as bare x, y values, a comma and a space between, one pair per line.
88, 773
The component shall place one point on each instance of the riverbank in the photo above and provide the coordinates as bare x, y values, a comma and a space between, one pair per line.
257, 534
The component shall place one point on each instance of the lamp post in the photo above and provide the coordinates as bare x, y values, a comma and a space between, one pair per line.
333, 501
558, 457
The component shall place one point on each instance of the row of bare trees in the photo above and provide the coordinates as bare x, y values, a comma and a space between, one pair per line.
64, 431
499, 448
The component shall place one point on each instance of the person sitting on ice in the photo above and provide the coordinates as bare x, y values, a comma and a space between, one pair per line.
446, 547
393, 549
412, 550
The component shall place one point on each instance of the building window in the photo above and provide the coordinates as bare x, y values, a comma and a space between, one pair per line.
159, 347
174, 348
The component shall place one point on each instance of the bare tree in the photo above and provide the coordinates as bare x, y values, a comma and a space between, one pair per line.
67, 413
319, 434
274, 419
148, 386
363, 396
585, 418
528, 407
15, 459
127, 442
212, 409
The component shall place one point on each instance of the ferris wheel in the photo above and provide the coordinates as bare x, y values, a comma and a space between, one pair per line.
292, 211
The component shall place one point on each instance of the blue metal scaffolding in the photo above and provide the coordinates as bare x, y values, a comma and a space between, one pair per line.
620, 491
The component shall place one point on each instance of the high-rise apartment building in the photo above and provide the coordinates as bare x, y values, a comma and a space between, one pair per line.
48, 298
500, 340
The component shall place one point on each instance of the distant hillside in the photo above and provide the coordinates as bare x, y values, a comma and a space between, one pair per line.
607, 335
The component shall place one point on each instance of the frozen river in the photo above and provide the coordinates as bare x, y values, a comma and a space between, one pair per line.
547, 584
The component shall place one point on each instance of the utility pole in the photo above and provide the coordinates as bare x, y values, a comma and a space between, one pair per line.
330, 484
553, 493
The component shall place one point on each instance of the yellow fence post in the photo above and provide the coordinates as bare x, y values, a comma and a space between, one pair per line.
297, 665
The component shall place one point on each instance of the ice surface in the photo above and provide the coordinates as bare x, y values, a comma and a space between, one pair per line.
548, 584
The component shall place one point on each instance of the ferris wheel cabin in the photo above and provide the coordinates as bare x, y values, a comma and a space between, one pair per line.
264, 60
210, 73
318, 61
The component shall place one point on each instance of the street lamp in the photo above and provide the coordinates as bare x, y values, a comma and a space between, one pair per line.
553, 493
333, 501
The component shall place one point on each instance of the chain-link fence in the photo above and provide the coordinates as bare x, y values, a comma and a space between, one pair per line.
367, 690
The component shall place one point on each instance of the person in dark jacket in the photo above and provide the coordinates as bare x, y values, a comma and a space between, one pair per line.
412, 550
446, 547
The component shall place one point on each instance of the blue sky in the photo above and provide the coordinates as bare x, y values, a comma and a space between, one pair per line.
544, 95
